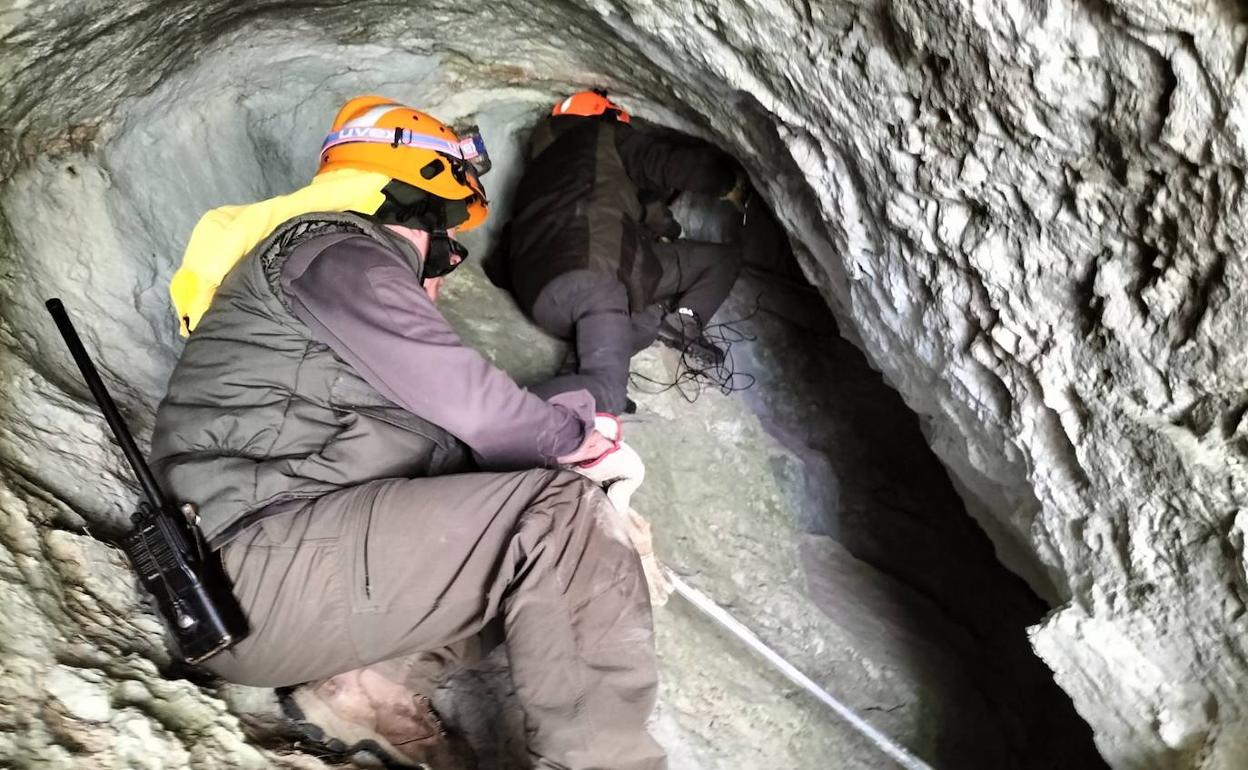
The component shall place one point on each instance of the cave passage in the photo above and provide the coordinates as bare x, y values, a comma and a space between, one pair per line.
885, 542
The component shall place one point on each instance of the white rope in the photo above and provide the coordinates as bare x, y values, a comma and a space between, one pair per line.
720, 616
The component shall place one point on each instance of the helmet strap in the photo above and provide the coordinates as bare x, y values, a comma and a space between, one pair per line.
410, 206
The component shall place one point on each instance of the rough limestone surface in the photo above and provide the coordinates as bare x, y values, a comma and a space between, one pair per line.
1028, 216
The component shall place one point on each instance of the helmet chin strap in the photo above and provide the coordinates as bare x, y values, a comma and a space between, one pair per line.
411, 207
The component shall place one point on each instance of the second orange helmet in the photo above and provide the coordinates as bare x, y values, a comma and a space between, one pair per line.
590, 104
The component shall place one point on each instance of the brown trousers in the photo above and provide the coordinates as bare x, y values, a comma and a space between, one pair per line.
375, 575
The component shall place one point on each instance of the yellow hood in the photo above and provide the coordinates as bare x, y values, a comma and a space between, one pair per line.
224, 235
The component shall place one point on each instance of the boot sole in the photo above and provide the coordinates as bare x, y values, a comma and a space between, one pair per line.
329, 732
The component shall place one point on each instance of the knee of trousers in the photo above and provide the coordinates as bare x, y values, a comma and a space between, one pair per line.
604, 341
578, 505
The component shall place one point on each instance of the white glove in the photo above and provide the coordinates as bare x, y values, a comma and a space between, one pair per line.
608, 425
619, 472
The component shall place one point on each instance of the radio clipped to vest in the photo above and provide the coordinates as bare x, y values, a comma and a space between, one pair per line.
165, 545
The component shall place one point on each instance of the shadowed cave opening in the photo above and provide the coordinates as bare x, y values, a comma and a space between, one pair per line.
810, 505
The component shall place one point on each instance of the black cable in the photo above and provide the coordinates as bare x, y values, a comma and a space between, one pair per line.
694, 376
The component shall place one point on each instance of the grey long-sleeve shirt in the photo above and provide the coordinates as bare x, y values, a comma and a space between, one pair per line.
365, 302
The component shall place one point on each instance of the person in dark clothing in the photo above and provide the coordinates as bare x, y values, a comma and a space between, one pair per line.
593, 253
382, 498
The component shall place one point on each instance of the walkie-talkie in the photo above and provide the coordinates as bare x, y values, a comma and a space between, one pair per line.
165, 544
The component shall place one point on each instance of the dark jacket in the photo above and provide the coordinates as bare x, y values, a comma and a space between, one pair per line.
286, 390
578, 206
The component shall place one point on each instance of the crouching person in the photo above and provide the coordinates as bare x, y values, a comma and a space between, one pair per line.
325, 417
588, 262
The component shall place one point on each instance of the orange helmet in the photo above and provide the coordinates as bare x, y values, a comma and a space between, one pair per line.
372, 133
590, 104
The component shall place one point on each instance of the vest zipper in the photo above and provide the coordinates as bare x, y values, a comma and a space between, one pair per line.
368, 591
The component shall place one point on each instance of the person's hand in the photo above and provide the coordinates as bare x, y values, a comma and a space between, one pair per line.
593, 447
620, 472
602, 440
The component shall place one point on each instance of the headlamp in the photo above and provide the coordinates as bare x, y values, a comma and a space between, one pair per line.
472, 148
